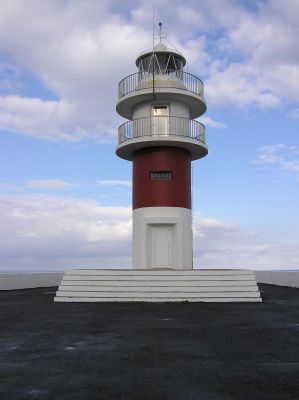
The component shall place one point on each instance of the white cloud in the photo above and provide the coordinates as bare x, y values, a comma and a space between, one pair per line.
282, 157
39, 118
237, 85
79, 52
207, 121
50, 184
113, 182
47, 232
256, 69
294, 114
221, 245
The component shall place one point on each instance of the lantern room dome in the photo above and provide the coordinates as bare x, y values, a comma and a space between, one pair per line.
160, 47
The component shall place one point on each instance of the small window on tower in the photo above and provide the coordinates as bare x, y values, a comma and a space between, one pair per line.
161, 175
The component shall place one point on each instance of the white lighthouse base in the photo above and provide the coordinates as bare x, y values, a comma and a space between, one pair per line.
162, 238
158, 286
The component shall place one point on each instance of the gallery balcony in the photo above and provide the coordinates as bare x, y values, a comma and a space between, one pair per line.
166, 84
161, 131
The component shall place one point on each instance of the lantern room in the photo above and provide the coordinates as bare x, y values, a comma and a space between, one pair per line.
161, 62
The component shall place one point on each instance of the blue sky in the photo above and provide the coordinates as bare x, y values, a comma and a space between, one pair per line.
65, 197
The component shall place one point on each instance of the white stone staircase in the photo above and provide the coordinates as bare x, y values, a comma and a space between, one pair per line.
102, 285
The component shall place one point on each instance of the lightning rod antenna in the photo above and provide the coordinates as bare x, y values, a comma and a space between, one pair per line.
153, 66
160, 34
153, 25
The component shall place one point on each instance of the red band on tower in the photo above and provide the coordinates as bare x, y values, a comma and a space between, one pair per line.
152, 186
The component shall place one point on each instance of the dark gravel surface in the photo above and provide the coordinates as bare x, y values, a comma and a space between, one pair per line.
186, 351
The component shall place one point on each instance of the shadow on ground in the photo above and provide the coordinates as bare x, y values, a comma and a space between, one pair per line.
185, 351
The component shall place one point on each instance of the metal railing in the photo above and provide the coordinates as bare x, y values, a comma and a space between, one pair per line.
161, 126
160, 79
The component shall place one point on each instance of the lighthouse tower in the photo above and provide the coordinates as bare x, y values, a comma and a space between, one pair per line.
161, 138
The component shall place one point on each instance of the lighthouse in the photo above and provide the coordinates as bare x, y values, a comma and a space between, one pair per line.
161, 137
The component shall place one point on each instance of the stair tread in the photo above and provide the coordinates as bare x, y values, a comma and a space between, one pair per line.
152, 294
158, 285
157, 299
156, 272
195, 289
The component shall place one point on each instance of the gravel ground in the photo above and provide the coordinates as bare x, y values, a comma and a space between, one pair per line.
147, 351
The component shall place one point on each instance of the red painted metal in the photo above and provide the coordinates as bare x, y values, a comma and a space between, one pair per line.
172, 193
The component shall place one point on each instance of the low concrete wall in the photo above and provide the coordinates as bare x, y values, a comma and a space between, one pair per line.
279, 278
26, 280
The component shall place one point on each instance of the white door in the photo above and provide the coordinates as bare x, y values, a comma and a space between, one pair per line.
160, 120
162, 245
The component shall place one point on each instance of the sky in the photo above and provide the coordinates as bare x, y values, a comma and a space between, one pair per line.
65, 197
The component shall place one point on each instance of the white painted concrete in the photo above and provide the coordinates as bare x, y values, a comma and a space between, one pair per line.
196, 148
72, 273
27, 280
176, 109
162, 238
195, 102
157, 285
157, 300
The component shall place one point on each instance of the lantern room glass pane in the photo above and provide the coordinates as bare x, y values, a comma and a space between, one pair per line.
179, 63
164, 63
144, 64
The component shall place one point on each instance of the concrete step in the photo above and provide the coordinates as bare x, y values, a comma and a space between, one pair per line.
159, 277
158, 283
149, 289
179, 294
87, 285
158, 272
156, 300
